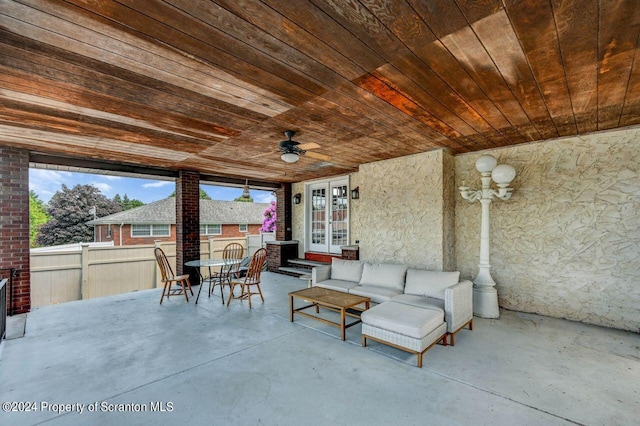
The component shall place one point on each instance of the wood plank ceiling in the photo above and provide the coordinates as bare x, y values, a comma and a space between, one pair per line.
212, 85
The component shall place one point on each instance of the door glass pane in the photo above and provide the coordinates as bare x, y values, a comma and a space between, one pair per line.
339, 215
318, 216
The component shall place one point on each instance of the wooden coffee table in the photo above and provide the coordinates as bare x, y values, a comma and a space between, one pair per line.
329, 299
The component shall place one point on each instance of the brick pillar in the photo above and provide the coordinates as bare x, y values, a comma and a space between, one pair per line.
187, 222
279, 253
350, 252
284, 209
14, 226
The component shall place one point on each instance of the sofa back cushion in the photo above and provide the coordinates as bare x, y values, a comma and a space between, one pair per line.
430, 283
346, 270
383, 275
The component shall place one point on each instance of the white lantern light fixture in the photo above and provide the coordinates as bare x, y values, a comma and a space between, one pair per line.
290, 157
485, 295
503, 174
486, 163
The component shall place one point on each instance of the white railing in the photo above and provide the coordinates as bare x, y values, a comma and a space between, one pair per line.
93, 271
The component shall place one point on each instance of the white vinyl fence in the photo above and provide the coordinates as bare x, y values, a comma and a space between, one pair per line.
93, 271
255, 242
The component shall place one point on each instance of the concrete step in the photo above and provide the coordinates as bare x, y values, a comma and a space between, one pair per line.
307, 263
295, 272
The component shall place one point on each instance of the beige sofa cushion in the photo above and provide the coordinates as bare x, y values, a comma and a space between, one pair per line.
383, 275
346, 270
376, 294
420, 301
403, 319
430, 283
337, 285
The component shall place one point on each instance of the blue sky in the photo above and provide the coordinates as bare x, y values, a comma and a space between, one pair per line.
45, 183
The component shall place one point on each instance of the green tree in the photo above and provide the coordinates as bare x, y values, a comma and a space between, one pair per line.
244, 200
126, 203
37, 217
203, 195
70, 210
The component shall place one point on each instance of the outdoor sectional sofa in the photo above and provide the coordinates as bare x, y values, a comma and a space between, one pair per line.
415, 309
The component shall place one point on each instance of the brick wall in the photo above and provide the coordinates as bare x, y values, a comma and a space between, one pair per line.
351, 253
233, 231
273, 258
102, 232
279, 254
14, 224
187, 222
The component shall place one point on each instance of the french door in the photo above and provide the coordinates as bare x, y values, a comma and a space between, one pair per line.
328, 216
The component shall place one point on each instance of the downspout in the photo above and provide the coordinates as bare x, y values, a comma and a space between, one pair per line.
121, 225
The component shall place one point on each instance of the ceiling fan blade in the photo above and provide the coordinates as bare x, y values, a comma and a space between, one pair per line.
308, 145
318, 156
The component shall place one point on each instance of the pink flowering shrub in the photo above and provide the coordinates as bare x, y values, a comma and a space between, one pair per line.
269, 222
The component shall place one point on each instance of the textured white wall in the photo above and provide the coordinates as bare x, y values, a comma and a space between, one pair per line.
399, 216
297, 225
448, 211
567, 244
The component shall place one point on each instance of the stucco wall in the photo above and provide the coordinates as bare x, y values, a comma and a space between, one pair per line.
448, 211
297, 220
567, 244
399, 216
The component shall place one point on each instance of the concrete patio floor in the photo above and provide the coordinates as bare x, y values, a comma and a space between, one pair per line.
211, 365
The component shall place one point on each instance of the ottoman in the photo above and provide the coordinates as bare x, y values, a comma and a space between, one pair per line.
409, 328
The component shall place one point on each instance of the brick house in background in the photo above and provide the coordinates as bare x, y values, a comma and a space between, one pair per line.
157, 221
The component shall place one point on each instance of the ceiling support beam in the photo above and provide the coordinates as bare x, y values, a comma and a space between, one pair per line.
85, 165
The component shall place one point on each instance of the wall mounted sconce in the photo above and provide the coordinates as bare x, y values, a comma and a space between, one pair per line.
297, 198
355, 193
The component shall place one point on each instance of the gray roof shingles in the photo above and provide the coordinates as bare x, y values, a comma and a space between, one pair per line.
211, 212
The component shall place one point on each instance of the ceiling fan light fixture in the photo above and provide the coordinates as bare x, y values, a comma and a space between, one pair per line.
290, 157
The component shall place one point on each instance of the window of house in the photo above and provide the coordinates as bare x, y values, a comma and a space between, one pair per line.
150, 230
209, 229
244, 228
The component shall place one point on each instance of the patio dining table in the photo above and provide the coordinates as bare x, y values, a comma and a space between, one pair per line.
223, 264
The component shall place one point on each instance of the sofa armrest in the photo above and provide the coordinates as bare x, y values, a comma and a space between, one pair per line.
320, 273
458, 305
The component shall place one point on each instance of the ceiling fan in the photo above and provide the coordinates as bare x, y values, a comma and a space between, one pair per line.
292, 150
